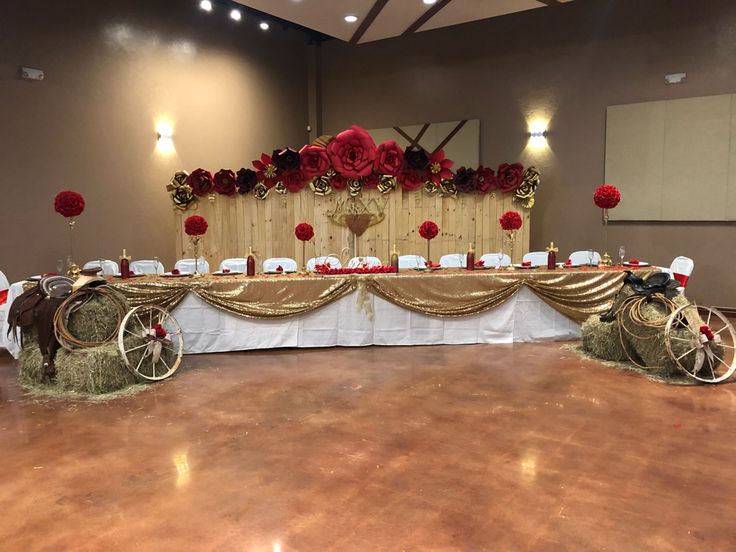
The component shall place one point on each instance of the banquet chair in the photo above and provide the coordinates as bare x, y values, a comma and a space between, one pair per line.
453, 260
147, 267
314, 261
583, 258
109, 268
270, 265
370, 262
4, 284
538, 258
186, 266
411, 261
237, 264
4, 306
496, 260
680, 270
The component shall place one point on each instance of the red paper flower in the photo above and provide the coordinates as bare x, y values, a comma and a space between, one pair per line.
352, 152
466, 180
510, 176
195, 225
159, 330
486, 180
266, 171
409, 179
224, 182
69, 204
389, 158
293, 179
200, 181
606, 197
510, 220
429, 230
339, 182
439, 168
315, 161
304, 231
371, 181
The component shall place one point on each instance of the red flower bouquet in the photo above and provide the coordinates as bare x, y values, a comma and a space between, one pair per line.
195, 225
314, 161
606, 197
439, 168
224, 182
352, 152
266, 172
293, 179
389, 158
409, 179
69, 204
510, 176
510, 221
304, 231
201, 183
429, 230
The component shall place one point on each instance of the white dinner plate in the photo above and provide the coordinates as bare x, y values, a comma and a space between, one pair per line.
521, 266
563, 265
231, 273
180, 275
277, 272
118, 275
636, 265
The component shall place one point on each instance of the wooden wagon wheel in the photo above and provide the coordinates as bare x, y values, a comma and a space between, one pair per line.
150, 356
707, 355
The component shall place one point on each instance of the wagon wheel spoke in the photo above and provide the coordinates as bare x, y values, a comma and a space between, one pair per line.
145, 354
135, 348
685, 354
710, 365
168, 368
681, 339
143, 327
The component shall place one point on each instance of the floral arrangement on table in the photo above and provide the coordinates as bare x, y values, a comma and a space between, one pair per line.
606, 197
510, 223
70, 204
352, 162
195, 227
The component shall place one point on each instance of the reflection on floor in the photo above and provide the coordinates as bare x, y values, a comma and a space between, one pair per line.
503, 447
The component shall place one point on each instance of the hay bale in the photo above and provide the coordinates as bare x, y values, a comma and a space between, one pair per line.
30, 360
95, 320
602, 340
95, 370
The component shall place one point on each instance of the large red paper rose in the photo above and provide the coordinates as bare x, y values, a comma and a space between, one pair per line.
606, 197
293, 180
224, 181
69, 204
486, 180
510, 176
200, 181
195, 225
304, 231
314, 161
389, 158
409, 179
439, 168
510, 220
352, 152
429, 230
266, 172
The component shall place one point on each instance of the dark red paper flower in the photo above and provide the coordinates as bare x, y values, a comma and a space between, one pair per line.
352, 152
286, 159
224, 180
339, 182
69, 204
246, 180
389, 158
371, 181
314, 161
486, 181
304, 231
416, 158
510, 220
606, 197
438, 168
293, 179
465, 180
409, 179
429, 230
200, 181
510, 176
266, 171
195, 225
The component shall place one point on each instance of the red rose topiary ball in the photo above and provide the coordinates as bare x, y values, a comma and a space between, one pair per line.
510, 220
304, 231
606, 197
429, 230
195, 225
69, 204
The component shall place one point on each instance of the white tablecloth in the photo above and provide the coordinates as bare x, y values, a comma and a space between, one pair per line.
206, 329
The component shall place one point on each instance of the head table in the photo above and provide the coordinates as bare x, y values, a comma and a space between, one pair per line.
236, 312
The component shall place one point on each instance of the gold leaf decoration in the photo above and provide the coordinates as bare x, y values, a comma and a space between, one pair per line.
448, 189
320, 185
261, 191
386, 183
431, 188
525, 192
354, 186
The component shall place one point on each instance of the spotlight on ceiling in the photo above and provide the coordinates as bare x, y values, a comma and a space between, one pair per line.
205, 5
263, 25
429, 2
351, 18
235, 15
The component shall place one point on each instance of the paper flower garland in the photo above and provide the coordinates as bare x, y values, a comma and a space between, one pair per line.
69, 204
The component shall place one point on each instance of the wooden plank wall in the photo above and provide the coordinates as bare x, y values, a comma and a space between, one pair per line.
235, 223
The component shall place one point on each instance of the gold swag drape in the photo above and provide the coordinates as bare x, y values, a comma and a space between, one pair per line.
574, 293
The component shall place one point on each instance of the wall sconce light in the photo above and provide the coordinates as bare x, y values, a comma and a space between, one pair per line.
165, 138
537, 134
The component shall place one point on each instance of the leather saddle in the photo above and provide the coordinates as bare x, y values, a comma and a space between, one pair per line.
659, 282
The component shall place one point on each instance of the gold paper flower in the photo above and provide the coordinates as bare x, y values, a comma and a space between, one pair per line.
280, 187
525, 192
261, 191
386, 183
320, 185
431, 188
183, 197
179, 179
448, 189
354, 187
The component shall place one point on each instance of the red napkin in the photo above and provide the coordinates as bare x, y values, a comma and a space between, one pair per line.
279, 268
568, 262
225, 270
131, 273
634, 261
480, 263
176, 271
3, 296
51, 274
526, 263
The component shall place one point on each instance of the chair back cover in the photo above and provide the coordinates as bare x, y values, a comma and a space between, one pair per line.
109, 268
411, 261
270, 265
583, 257
147, 267
538, 258
4, 284
495, 260
370, 262
453, 260
682, 268
186, 266
237, 264
314, 261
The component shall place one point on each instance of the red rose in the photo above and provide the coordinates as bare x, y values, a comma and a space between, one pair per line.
439, 168
266, 172
69, 204
224, 182
370, 182
159, 330
315, 161
409, 179
194, 225
293, 179
200, 181
606, 197
389, 158
339, 182
510, 176
486, 180
510, 220
429, 230
304, 231
352, 152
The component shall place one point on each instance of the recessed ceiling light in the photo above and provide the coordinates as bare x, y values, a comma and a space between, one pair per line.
263, 25
429, 2
235, 15
205, 5
351, 18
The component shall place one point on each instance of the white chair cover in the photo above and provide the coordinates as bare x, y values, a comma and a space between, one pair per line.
314, 261
4, 284
583, 257
186, 266
681, 269
370, 262
411, 261
454, 260
289, 265
109, 268
538, 258
147, 267
237, 264
496, 260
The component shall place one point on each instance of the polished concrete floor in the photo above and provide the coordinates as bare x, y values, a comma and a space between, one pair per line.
523, 447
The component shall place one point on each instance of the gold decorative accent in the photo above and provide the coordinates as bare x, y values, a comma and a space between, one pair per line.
179, 179
354, 187
323, 140
431, 188
270, 171
320, 185
606, 258
212, 196
525, 192
280, 188
357, 215
182, 197
448, 189
386, 183
73, 269
261, 191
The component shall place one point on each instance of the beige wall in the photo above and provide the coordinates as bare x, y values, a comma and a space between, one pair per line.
112, 69
567, 64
